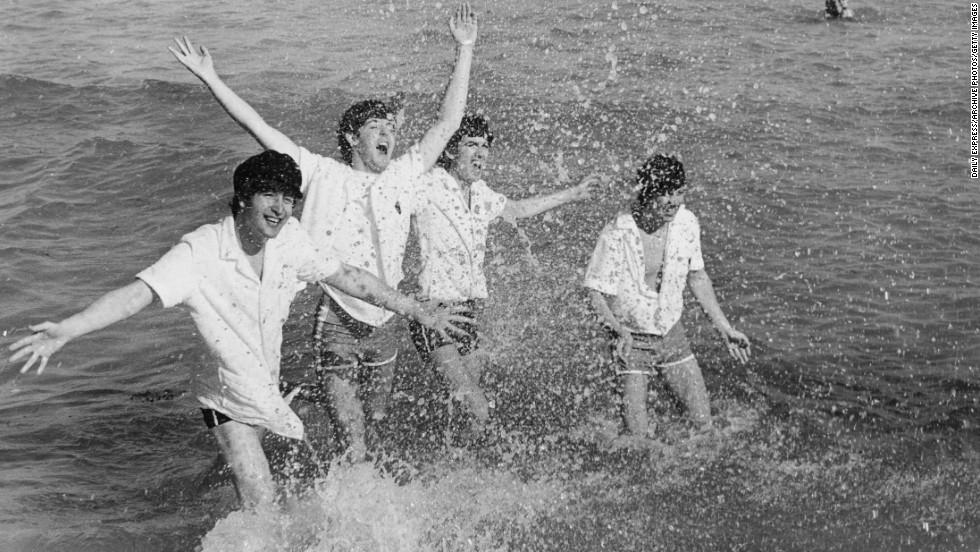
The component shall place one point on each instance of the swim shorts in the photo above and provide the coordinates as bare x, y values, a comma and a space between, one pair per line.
343, 344
653, 352
213, 418
427, 340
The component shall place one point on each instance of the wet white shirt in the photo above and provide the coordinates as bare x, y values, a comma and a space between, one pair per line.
617, 268
240, 317
453, 236
361, 218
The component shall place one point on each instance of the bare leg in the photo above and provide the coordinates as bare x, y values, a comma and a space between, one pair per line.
464, 380
241, 446
635, 403
377, 392
685, 380
348, 413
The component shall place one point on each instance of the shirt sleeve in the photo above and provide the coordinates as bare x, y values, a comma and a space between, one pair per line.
697, 259
312, 264
310, 164
495, 204
174, 277
606, 265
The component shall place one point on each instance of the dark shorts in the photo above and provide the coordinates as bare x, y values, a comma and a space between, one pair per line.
651, 353
213, 418
343, 344
427, 340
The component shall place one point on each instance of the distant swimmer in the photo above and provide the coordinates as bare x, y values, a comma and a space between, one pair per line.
837, 9
237, 278
356, 343
636, 278
453, 207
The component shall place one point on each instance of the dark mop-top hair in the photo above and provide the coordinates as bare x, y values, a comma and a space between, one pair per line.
269, 171
354, 118
472, 125
659, 176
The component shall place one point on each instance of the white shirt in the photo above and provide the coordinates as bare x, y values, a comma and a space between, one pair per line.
240, 317
453, 236
617, 268
359, 218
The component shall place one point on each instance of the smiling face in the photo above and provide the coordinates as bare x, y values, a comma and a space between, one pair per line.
471, 158
655, 212
372, 146
264, 216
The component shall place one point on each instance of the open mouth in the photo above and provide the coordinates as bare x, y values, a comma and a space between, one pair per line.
272, 220
383, 148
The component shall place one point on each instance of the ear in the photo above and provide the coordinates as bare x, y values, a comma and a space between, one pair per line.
352, 139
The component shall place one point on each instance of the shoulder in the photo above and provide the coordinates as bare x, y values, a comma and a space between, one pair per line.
208, 235
686, 219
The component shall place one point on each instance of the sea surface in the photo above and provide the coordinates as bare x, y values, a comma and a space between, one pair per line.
829, 166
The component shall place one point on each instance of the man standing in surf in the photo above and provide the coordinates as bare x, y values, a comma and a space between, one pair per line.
237, 279
453, 211
357, 210
636, 280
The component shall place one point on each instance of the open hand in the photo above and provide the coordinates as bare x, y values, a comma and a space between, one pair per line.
587, 188
198, 62
463, 24
44, 342
447, 321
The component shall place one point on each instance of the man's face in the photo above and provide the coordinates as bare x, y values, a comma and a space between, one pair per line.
471, 158
374, 144
267, 213
661, 210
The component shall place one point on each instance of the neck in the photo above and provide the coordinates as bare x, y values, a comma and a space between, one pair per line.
250, 243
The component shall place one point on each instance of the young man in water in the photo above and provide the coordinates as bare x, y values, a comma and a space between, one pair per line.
837, 9
237, 279
453, 211
636, 278
357, 210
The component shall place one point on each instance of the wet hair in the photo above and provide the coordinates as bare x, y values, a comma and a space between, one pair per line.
472, 125
354, 118
659, 176
269, 171
833, 8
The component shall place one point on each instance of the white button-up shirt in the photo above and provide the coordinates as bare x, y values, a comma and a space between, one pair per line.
453, 236
239, 316
361, 218
617, 268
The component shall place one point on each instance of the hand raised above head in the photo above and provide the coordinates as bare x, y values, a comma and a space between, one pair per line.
463, 24
198, 62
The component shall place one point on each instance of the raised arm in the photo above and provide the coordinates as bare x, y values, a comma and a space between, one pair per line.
738, 344
200, 63
364, 285
119, 304
532, 206
463, 25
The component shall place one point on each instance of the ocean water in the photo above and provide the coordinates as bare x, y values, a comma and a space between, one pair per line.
830, 173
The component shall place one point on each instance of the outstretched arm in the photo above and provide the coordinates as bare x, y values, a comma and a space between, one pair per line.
532, 206
463, 25
201, 64
364, 285
738, 344
49, 337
